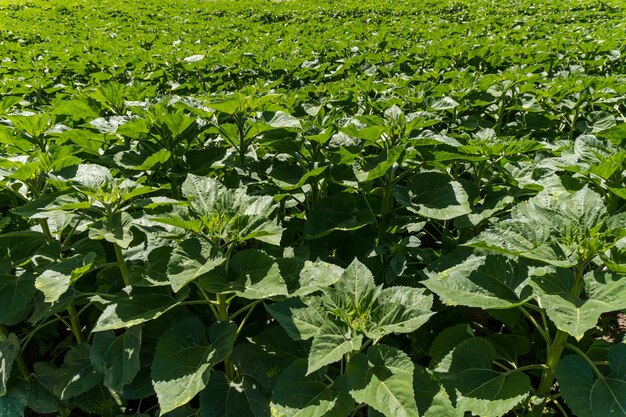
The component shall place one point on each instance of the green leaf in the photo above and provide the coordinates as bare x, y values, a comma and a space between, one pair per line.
116, 231
553, 227
605, 293
431, 397
9, 351
436, 195
576, 381
14, 403
117, 357
76, 376
383, 379
356, 285
301, 321
484, 281
332, 341
589, 395
341, 211
78, 108
315, 276
184, 358
56, 279
255, 275
298, 394
399, 310
480, 389
232, 214
242, 397
141, 161
127, 311
16, 294
190, 260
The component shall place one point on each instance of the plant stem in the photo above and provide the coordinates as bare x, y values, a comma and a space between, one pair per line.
554, 354
243, 322
585, 357
75, 324
46, 230
540, 329
222, 310
122, 264
243, 309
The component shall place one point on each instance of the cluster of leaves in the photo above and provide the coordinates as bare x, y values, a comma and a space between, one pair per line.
418, 215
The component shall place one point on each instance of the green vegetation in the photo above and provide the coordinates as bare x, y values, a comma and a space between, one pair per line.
281, 209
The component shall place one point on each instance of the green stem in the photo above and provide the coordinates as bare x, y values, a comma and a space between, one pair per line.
210, 302
587, 358
75, 324
222, 311
244, 309
243, 322
541, 330
386, 204
46, 230
122, 264
170, 173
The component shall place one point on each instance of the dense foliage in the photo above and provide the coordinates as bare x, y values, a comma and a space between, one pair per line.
281, 209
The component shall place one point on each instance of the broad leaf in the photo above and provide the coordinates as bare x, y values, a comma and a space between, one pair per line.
399, 310
117, 357
297, 394
184, 358
333, 340
56, 279
383, 379
76, 376
130, 310
436, 195
479, 388
190, 260
16, 294
302, 319
484, 281
605, 292
588, 395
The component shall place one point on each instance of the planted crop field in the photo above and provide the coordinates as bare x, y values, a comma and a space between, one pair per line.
312, 209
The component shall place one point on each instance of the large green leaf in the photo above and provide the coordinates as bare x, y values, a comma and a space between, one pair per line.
117, 357
593, 396
298, 394
333, 340
130, 310
184, 358
16, 294
255, 275
232, 214
383, 379
56, 279
117, 230
436, 195
357, 287
605, 292
399, 310
556, 227
190, 260
76, 376
468, 374
301, 320
340, 211
242, 397
484, 281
